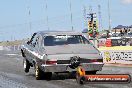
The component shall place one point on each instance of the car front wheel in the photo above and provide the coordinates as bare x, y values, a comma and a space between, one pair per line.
26, 65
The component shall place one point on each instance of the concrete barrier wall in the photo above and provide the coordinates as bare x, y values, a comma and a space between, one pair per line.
1, 47
119, 55
10, 48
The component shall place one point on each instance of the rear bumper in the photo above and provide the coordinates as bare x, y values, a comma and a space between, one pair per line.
65, 67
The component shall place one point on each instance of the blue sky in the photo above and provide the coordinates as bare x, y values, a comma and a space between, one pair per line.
14, 18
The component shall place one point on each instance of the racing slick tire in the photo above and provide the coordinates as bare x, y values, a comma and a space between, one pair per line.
38, 72
26, 65
47, 75
91, 72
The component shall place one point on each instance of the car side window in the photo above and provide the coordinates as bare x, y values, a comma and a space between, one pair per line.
37, 42
34, 41
30, 41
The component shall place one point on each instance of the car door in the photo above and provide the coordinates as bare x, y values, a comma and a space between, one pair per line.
36, 43
28, 49
39, 47
31, 48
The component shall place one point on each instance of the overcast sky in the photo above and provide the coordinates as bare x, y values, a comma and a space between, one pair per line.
14, 18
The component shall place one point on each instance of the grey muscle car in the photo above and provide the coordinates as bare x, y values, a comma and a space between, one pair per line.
60, 51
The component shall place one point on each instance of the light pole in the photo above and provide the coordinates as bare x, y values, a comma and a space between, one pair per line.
109, 15
29, 17
71, 15
47, 18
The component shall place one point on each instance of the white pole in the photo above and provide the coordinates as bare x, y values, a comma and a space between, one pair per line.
47, 19
71, 15
109, 15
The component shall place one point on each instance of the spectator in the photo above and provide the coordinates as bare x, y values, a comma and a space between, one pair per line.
125, 31
121, 33
107, 34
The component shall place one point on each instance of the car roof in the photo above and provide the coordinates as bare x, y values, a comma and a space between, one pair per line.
50, 33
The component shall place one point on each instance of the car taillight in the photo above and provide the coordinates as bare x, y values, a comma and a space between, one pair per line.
51, 62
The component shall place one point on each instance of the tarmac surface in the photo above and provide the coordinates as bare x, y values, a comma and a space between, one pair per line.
12, 75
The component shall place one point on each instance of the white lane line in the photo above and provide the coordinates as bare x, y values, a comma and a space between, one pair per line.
12, 54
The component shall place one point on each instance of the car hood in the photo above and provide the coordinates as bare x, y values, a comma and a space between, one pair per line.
71, 49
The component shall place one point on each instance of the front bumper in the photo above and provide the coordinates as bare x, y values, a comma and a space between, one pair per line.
96, 66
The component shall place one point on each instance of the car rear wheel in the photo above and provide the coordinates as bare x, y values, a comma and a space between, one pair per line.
26, 65
38, 72
91, 72
47, 75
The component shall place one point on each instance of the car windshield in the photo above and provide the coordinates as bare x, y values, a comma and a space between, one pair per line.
64, 40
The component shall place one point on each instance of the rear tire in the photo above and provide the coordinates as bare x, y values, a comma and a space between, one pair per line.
72, 74
26, 65
90, 72
47, 75
38, 72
